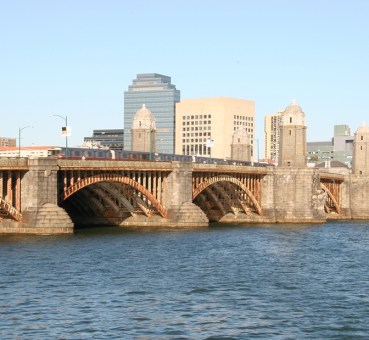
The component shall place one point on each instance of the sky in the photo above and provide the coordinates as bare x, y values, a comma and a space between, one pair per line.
75, 59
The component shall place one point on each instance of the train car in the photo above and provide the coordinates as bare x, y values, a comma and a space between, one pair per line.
85, 153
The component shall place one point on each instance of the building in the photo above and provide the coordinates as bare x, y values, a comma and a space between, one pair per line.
205, 126
292, 143
107, 138
339, 148
27, 151
158, 93
360, 164
5, 141
143, 131
271, 136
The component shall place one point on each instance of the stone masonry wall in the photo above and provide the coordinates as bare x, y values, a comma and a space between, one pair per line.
356, 196
297, 196
178, 195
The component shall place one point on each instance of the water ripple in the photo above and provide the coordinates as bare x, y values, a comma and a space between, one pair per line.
265, 282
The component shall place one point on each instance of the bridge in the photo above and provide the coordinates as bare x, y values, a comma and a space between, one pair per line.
54, 195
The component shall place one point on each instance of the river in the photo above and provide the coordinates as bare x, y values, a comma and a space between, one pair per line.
226, 282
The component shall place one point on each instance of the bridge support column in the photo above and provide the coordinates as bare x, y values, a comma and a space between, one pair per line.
297, 196
355, 197
39, 199
178, 198
1, 184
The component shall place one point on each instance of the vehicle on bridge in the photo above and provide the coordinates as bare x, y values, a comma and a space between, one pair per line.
91, 154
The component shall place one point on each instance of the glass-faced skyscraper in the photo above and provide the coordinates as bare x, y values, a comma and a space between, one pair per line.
160, 97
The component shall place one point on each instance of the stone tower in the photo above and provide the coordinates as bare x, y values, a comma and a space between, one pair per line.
143, 131
241, 146
292, 143
360, 159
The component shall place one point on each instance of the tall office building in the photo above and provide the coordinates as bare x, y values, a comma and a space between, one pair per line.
271, 136
158, 93
205, 126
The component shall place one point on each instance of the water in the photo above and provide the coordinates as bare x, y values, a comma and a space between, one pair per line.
227, 282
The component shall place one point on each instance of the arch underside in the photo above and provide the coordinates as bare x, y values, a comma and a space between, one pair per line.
109, 200
221, 196
7, 210
331, 204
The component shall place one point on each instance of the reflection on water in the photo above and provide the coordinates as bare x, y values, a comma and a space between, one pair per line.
252, 281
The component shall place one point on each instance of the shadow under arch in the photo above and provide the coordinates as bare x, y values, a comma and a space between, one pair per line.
114, 178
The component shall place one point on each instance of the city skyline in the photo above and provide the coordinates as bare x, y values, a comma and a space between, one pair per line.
77, 59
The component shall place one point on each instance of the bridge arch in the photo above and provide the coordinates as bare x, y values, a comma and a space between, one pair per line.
226, 178
10, 210
330, 197
108, 177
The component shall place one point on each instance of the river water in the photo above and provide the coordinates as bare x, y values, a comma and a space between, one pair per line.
225, 282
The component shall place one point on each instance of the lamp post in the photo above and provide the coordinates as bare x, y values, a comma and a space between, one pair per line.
19, 138
65, 131
210, 144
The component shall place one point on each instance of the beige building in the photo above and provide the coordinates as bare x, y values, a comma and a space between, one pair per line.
205, 126
271, 136
360, 159
5, 141
292, 142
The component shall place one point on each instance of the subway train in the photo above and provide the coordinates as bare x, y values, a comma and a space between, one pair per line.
84, 153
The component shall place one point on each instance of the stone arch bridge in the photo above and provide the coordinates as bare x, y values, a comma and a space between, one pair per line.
51, 195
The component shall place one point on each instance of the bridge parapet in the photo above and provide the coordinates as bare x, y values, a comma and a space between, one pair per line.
13, 163
66, 164
204, 167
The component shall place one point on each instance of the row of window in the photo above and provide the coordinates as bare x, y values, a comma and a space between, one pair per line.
196, 134
198, 149
194, 140
243, 123
197, 128
196, 117
243, 118
197, 122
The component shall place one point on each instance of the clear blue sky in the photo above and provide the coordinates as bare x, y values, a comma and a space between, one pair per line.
77, 57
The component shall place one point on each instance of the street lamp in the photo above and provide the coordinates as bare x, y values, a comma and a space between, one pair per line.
19, 138
209, 144
65, 131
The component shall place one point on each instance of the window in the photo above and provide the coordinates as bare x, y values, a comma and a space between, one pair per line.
290, 119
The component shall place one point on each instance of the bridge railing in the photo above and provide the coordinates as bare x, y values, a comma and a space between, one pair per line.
65, 164
13, 163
